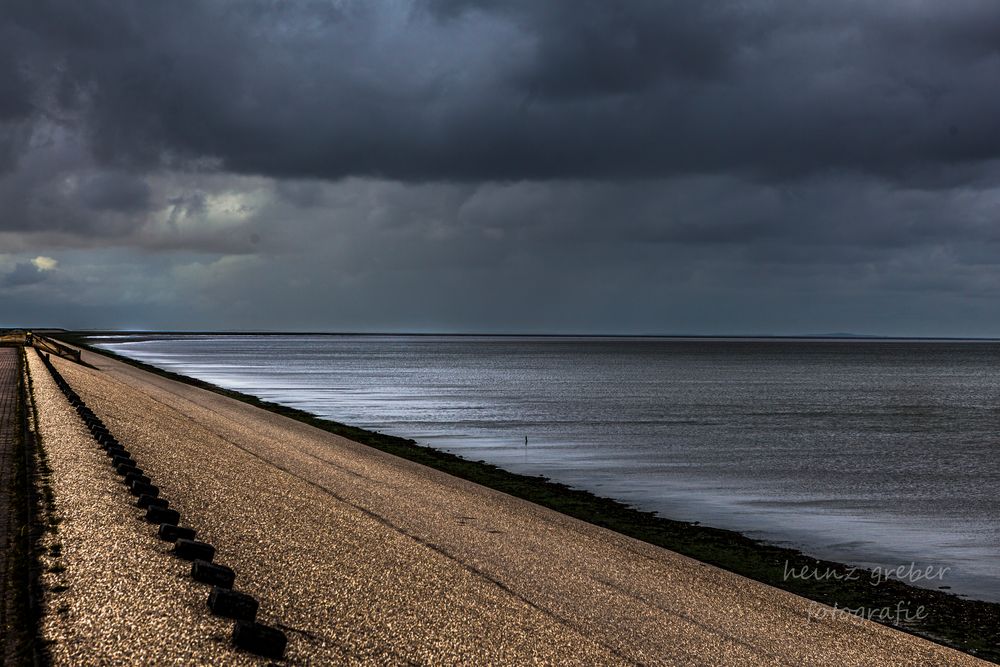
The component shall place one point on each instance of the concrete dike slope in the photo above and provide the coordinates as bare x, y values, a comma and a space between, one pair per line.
360, 557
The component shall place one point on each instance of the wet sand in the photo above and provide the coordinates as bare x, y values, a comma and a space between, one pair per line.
366, 558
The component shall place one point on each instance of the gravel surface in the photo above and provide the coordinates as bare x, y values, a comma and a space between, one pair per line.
365, 558
113, 594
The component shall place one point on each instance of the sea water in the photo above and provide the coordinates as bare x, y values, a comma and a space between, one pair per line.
876, 453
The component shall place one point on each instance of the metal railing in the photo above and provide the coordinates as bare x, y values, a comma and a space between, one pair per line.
40, 343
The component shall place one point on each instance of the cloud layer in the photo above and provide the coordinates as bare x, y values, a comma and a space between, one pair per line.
471, 90
467, 164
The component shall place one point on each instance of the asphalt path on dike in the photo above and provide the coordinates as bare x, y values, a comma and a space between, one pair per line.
365, 558
8, 441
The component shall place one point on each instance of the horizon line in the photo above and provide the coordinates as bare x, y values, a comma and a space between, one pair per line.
741, 336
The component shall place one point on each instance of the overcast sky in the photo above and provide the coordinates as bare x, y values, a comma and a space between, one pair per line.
578, 166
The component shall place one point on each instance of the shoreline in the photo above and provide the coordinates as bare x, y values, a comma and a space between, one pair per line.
967, 625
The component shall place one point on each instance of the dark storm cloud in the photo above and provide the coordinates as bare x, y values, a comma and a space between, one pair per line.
589, 47
14, 89
115, 192
23, 273
56, 188
520, 90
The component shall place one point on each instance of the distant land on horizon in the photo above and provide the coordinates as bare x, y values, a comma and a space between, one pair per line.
744, 336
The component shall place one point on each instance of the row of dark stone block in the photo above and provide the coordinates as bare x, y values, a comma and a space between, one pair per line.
223, 600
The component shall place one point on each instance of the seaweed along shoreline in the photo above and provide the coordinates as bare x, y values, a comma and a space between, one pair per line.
967, 625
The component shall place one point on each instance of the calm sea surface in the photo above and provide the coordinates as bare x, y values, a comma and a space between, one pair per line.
874, 453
